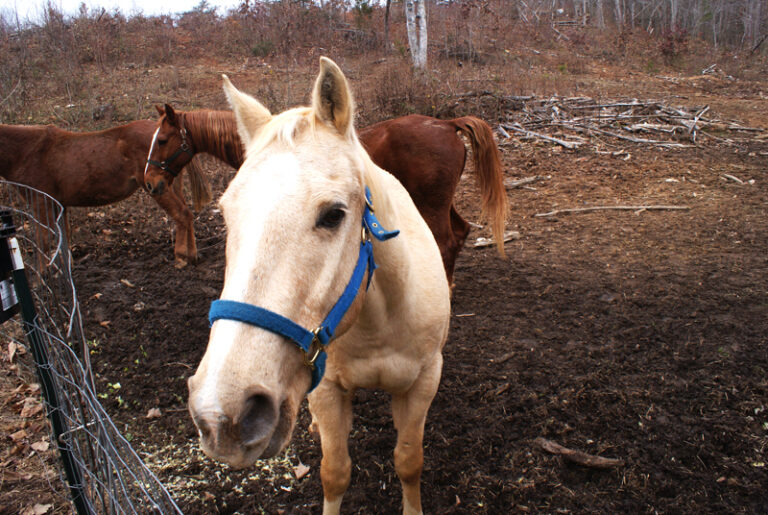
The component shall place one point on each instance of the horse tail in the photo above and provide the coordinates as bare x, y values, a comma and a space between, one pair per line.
489, 173
198, 183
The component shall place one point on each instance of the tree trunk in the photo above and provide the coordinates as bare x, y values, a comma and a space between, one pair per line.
416, 23
600, 16
386, 24
673, 7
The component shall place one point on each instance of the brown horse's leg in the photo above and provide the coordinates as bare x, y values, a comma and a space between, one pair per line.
459, 233
331, 410
185, 248
409, 412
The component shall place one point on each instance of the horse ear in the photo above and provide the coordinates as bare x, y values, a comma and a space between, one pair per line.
170, 114
332, 98
250, 115
160, 110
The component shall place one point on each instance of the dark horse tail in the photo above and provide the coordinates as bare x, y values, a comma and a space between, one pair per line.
489, 173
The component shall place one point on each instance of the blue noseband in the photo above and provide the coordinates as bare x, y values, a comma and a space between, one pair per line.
312, 343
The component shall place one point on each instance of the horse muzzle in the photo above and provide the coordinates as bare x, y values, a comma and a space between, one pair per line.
259, 429
156, 189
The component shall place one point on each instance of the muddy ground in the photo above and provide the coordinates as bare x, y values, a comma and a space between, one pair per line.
632, 335
635, 335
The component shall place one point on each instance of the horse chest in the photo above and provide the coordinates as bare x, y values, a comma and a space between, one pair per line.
368, 366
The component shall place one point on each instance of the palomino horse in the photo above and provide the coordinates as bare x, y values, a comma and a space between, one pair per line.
425, 154
294, 214
94, 169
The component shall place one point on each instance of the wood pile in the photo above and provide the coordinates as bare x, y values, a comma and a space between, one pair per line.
572, 122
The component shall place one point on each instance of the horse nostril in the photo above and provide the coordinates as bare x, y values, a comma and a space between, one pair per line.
259, 419
203, 427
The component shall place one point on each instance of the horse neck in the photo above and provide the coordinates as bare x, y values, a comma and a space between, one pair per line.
138, 134
215, 133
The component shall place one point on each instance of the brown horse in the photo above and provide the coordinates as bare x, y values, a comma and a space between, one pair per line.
427, 155
96, 168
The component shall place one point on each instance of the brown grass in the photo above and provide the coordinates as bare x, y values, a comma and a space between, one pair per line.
98, 68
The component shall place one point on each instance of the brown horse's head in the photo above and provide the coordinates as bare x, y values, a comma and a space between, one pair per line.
170, 151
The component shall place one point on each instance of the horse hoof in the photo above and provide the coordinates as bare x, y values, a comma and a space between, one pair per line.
180, 263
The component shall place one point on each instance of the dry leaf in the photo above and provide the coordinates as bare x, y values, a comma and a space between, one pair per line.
105, 323
96, 296
127, 283
11, 351
154, 413
41, 446
37, 509
32, 407
18, 435
300, 470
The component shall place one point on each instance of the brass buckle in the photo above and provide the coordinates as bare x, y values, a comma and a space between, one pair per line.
184, 145
315, 349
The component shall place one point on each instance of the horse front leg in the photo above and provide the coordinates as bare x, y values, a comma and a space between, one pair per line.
185, 249
331, 410
409, 412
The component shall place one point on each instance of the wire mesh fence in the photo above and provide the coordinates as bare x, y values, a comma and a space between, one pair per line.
102, 471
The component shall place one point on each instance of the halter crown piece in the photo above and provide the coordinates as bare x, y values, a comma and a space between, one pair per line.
312, 343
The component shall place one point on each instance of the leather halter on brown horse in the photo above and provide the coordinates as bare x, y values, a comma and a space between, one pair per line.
95, 169
426, 155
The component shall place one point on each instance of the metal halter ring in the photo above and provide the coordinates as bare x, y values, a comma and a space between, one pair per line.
315, 349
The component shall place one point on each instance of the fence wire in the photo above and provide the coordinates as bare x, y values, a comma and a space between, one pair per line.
113, 479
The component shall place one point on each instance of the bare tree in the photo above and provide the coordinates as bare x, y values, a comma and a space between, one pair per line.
416, 23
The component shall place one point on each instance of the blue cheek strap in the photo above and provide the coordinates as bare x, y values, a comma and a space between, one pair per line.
313, 343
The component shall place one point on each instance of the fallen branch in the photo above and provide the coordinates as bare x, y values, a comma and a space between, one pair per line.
733, 178
611, 208
637, 140
579, 457
567, 144
510, 184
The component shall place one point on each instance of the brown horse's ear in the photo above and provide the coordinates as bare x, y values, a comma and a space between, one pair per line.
332, 98
160, 110
250, 115
170, 114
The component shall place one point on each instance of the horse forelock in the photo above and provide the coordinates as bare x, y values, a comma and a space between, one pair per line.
283, 128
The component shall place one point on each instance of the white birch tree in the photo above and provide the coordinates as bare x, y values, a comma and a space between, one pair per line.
416, 23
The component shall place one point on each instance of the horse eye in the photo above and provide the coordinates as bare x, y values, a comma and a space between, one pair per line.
162, 142
331, 218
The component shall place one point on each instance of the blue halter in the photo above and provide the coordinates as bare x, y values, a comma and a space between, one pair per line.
312, 343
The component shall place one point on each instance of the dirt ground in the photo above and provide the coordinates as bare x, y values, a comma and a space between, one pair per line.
633, 335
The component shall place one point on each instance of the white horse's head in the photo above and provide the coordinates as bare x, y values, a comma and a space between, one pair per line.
293, 216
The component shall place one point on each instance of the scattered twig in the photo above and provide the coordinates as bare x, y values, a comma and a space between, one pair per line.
487, 242
733, 178
760, 42
11, 93
612, 208
579, 457
510, 184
